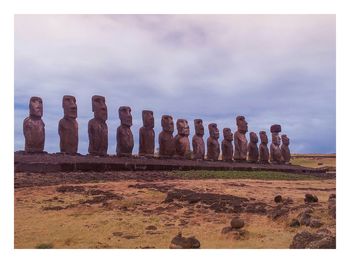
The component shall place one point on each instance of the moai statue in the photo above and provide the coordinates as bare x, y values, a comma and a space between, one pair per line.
166, 139
97, 127
285, 149
253, 152
275, 150
34, 127
125, 139
146, 134
182, 143
240, 139
197, 140
213, 146
68, 126
226, 145
264, 154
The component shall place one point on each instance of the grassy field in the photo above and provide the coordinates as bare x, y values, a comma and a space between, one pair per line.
315, 161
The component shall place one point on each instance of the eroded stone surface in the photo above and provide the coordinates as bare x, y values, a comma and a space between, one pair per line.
241, 144
253, 152
34, 127
285, 149
213, 146
68, 126
182, 143
197, 140
226, 145
166, 139
321, 239
125, 138
182, 242
146, 134
97, 127
275, 150
264, 153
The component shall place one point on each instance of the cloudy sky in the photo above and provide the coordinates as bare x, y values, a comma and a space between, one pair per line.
269, 68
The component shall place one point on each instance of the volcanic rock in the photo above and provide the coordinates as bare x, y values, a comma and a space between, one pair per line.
182, 242
237, 223
321, 239
278, 199
309, 198
294, 223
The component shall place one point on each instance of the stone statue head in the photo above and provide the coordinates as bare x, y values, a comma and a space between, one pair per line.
148, 119
182, 127
285, 140
125, 116
275, 128
167, 123
213, 131
99, 107
253, 137
276, 140
263, 137
241, 124
198, 126
69, 106
228, 135
36, 107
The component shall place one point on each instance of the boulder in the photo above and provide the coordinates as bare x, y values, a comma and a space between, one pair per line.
237, 223
182, 242
294, 223
304, 218
321, 239
332, 205
278, 199
309, 198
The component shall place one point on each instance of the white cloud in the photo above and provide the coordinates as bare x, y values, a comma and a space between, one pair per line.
271, 68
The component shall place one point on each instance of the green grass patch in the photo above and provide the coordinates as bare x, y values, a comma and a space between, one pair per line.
258, 175
44, 246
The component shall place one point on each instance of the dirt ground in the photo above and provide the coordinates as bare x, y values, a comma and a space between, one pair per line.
148, 210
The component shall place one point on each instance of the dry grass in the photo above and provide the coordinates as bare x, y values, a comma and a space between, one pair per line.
122, 223
315, 162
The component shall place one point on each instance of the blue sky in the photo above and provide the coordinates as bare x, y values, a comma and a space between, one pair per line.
269, 68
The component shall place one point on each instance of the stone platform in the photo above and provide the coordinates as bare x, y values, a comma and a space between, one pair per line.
86, 163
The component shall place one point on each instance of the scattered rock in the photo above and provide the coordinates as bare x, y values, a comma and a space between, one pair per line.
234, 233
220, 203
150, 232
314, 223
331, 196
288, 201
117, 234
304, 218
294, 223
256, 208
278, 211
151, 228
332, 205
237, 223
309, 198
129, 236
278, 199
57, 208
321, 239
226, 229
70, 189
182, 242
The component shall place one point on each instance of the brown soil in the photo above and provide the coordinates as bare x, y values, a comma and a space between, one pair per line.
148, 209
